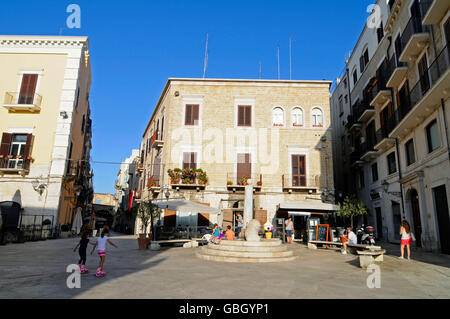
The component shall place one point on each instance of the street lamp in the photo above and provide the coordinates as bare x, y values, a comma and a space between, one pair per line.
385, 186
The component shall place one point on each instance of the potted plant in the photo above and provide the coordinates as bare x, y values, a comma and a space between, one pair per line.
10, 156
154, 184
259, 183
229, 183
203, 178
147, 212
173, 175
244, 180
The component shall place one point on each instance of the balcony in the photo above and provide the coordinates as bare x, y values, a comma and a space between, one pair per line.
15, 102
14, 165
355, 157
302, 183
153, 184
376, 92
352, 123
363, 112
397, 72
368, 151
413, 40
434, 11
157, 142
426, 95
72, 171
394, 11
235, 182
187, 178
382, 135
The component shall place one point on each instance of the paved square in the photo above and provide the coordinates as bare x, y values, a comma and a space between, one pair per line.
37, 270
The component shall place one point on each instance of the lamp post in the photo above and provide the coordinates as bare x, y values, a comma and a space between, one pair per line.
385, 186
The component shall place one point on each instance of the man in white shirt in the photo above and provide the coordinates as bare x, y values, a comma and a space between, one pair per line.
351, 239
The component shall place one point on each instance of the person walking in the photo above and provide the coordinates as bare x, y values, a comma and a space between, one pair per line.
101, 250
289, 229
406, 240
83, 243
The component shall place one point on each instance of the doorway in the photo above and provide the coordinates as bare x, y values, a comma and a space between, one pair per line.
415, 207
379, 223
443, 219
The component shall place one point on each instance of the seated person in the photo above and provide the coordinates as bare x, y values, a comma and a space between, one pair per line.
229, 234
350, 238
216, 238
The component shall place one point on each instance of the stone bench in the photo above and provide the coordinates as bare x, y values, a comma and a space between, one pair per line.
353, 247
369, 257
312, 244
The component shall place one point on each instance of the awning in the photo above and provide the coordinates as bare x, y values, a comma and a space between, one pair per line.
299, 213
309, 206
187, 206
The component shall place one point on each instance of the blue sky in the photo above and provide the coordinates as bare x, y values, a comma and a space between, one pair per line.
136, 45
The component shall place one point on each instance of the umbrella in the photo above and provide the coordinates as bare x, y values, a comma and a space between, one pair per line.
187, 206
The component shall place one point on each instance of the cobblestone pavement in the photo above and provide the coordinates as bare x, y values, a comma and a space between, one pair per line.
38, 270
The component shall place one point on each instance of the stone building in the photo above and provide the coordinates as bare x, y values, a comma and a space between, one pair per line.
45, 125
272, 134
394, 126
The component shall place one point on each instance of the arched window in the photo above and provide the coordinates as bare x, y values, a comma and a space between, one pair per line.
278, 116
317, 117
297, 117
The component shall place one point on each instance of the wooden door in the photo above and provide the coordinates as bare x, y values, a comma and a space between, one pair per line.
244, 167
227, 218
28, 88
416, 217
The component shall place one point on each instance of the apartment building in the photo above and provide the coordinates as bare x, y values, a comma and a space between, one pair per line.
209, 138
395, 124
127, 192
45, 125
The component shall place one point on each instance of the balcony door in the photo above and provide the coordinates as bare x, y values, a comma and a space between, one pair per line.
298, 170
157, 170
18, 146
423, 74
442, 212
244, 167
27, 89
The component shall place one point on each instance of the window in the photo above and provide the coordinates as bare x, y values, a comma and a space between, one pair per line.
410, 155
345, 83
244, 115
298, 170
27, 88
190, 160
341, 106
433, 136
346, 99
423, 74
83, 123
355, 77
278, 116
364, 60
297, 117
69, 161
317, 118
374, 172
191, 115
380, 32
77, 96
391, 163
162, 128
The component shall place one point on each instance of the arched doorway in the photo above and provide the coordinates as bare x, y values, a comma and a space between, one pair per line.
415, 210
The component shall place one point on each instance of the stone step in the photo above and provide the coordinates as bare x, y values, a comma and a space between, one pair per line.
247, 248
247, 254
244, 260
261, 243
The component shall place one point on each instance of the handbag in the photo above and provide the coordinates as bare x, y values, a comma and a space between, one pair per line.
413, 237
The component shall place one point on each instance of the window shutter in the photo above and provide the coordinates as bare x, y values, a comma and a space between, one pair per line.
188, 117
241, 111
248, 116
195, 113
186, 160
361, 63
6, 144
28, 88
28, 146
193, 160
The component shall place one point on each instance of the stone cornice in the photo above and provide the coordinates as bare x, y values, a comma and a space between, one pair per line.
42, 41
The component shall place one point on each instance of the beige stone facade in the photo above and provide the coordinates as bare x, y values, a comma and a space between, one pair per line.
216, 137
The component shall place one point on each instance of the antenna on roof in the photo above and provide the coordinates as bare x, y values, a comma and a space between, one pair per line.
205, 62
278, 58
260, 63
290, 57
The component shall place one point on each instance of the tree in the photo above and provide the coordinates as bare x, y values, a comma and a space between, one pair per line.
147, 212
352, 207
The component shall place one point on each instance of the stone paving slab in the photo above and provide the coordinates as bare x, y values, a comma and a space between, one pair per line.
37, 270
